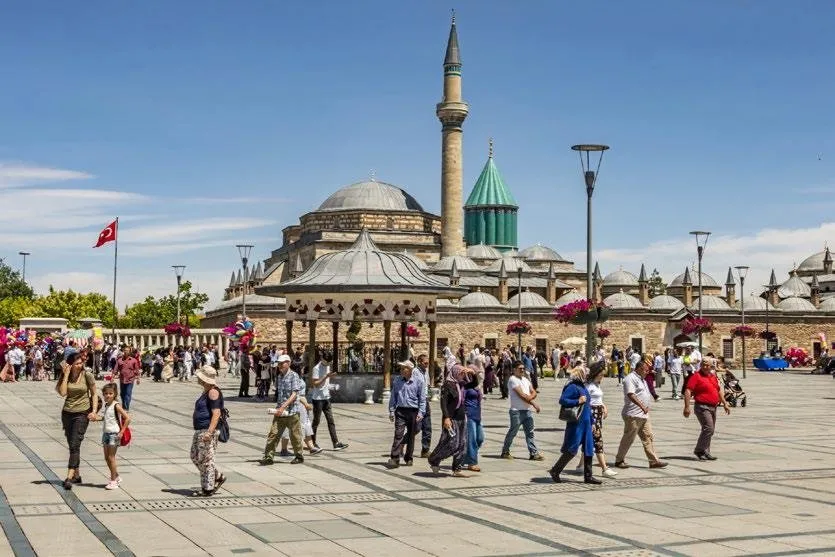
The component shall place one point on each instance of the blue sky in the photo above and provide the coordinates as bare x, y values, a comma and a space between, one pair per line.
203, 124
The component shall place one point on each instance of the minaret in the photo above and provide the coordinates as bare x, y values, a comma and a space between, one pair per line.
452, 111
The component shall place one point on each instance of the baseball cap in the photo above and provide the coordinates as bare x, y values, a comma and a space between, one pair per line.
284, 358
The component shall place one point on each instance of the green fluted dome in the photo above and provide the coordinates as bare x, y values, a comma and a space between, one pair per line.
490, 189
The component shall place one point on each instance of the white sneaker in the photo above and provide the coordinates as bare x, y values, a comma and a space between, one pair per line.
112, 485
609, 473
118, 480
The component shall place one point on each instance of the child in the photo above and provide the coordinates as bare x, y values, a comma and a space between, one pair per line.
304, 408
115, 420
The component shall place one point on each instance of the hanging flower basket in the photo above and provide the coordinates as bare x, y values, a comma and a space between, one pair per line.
518, 327
743, 331
412, 331
768, 335
603, 313
696, 326
603, 333
177, 329
575, 312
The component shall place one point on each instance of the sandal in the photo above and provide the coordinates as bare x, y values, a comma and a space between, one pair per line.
474, 468
218, 482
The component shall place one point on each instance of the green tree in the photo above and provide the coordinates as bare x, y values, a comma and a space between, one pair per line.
12, 285
73, 306
146, 314
13, 309
657, 286
155, 314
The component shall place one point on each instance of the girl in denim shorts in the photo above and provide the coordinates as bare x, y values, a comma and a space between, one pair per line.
115, 421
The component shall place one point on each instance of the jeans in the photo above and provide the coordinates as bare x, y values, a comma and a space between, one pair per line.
475, 438
75, 426
522, 418
320, 406
126, 393
675, 379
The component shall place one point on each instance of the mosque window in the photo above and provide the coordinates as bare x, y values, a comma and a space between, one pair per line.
441, 343
727, 349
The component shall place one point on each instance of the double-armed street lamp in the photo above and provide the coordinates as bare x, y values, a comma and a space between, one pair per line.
590, 177
742, 271
701, 242
244, 251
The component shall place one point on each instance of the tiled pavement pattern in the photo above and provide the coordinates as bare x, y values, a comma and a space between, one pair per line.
771, 492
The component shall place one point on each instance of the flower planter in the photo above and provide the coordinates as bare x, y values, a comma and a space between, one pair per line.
603, 314
584, 317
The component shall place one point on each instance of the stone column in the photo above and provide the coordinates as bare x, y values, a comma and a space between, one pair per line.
335, 363
386, 361
288, 327
311, 345
404, 348
432, 326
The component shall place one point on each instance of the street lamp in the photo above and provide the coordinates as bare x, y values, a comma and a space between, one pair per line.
178, 270
742, 271
701, 242
243, 250
769, 288
24, 254
519, 310
590, 177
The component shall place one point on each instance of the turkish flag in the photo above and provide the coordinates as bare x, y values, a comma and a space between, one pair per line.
108, 234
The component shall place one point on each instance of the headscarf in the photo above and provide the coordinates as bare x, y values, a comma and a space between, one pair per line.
457, 376
450, 360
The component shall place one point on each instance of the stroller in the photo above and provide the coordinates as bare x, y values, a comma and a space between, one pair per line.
734, 395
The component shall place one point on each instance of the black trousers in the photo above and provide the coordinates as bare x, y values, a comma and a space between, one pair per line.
503, 377
405, 425
320, 406
426, 429
243, 391
75, 426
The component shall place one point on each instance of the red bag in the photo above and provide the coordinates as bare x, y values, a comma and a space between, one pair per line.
125, 441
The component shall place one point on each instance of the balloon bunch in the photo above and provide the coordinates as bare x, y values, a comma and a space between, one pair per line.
241, 333
798, 357
19, 338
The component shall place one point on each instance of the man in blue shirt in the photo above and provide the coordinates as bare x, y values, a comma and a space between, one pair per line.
407, 406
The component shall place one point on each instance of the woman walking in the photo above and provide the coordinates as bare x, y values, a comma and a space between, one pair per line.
453, 440
599, 412
475, 433
81, 404
579, 433
205, 420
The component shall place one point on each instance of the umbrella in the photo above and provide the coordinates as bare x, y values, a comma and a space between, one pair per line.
574, 340
688, 343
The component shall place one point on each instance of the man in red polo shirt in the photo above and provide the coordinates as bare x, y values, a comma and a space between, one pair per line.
703, 387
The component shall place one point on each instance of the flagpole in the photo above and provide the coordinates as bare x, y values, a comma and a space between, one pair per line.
115, 266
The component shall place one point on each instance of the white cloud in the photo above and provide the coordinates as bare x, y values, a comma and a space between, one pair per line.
21, 174
770, 248
180, 229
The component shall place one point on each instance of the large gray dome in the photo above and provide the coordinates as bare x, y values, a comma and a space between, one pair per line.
481, 251
794, 288
813, 263
664, 302
707, 280
622, 300
371, 195
620, 278
710, 303
529, 300
796, 305
540, 253
480, 300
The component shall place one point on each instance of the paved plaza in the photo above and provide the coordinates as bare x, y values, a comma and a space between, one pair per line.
771, 492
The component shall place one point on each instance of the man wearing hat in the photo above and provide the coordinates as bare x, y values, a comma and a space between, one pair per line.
286, 415
407, 406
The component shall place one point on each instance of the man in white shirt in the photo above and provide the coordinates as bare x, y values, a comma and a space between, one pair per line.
634, 359
16, 358
636, 404
555, 360
522, 404
320, 396
674, 365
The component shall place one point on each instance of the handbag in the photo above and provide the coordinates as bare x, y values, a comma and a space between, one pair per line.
126, 435
571, 415
223, 426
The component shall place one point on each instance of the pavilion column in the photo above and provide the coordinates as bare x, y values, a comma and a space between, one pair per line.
432, 355
311, 345
335, 326
142, 342
386, 362
288, 327
404, 348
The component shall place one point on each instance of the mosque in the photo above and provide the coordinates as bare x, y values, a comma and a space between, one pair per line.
474, 245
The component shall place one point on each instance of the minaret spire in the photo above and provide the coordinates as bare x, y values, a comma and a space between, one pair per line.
452, 111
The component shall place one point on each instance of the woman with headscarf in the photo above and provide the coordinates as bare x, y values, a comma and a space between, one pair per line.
577, 434
453, 441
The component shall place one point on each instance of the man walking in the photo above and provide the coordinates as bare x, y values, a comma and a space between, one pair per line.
674, 366
426, 423
286, 415
522, 404
636, 405
703, 387
320, 395
406, 408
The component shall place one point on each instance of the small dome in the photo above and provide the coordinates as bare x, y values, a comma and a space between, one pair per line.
797, 305
710, 303
371, 195
620, 278
755, 303
827, 305
707, 280
665, 303
481, 251
794, 287
511, 264
813, 263
530, 300
622, 300
462, 263
568, 297
540, 253
480, 300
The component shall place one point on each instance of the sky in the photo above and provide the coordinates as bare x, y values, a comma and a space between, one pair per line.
206, 124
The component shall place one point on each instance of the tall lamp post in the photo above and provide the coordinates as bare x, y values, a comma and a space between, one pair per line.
178, 271
519, 310
768, 289
590, 176
244, 250
701, 242
24, 254
742, 271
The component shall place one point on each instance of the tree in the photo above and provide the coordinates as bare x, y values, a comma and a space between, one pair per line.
12, 285
657, 286
13, 309
155, 314
73, 306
